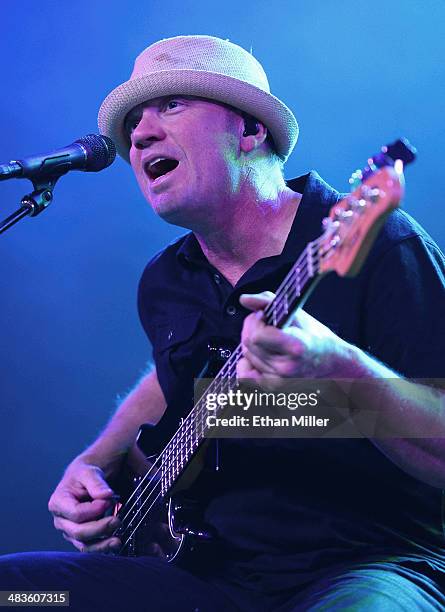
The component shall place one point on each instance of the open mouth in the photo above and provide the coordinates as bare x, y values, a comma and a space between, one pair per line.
160, 167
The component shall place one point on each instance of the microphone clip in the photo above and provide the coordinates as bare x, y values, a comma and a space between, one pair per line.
33, 203
37, 201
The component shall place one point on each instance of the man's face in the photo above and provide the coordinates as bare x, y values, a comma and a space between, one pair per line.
185, 155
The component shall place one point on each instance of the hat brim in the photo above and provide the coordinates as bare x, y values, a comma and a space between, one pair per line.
265, 107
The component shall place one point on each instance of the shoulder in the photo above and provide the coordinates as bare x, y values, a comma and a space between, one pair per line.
401, 226
402, 234
161, 274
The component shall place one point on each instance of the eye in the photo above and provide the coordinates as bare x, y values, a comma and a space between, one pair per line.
131, 123
171, 104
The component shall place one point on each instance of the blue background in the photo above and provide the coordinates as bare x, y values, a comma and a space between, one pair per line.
357, 75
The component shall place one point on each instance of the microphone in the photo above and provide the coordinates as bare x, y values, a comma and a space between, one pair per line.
91, 153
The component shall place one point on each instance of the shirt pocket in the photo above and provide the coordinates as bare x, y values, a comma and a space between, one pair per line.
175, 346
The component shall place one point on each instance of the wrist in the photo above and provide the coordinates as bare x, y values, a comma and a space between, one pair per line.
109, 464
357, 363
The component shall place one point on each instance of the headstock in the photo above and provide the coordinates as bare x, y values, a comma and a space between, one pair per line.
353, 223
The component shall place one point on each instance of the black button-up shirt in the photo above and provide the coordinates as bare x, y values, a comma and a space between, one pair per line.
312, 500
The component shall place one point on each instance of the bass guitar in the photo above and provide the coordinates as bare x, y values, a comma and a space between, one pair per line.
176, 454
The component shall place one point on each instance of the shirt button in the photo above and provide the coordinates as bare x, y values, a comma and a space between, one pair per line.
231, 310
217, 278
170, 335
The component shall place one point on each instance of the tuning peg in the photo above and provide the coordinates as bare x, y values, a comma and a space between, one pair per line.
359, 206
347, 215
371, 193
356, 179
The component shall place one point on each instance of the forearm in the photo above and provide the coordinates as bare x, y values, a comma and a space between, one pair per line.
409, 419
144, 404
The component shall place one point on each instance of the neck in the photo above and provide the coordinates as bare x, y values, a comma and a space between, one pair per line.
254, 228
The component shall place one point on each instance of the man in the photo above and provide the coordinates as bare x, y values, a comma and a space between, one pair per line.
302, 524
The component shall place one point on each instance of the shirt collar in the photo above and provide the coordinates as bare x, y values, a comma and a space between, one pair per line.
317, 199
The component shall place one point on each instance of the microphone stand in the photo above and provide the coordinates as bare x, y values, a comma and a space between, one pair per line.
32, 204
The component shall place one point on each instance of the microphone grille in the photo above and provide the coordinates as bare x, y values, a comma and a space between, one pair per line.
101, 151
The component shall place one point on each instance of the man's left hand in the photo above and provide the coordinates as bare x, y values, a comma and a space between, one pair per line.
305, 349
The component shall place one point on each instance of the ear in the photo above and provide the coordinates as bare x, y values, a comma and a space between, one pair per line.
249, 141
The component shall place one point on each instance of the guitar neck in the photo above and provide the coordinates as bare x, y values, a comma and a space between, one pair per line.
295, 288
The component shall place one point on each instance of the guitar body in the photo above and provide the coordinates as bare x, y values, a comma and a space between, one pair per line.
175, 529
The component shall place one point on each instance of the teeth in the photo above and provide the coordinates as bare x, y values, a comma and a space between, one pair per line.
155, 161
159, 166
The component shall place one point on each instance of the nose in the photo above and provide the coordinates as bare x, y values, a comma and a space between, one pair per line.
148, 130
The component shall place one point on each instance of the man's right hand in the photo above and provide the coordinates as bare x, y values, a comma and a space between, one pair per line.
78, 505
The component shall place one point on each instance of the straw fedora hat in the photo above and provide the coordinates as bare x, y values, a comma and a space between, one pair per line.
203, 66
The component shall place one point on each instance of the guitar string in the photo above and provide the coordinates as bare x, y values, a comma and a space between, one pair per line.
178, 441
173, 444
140, 522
